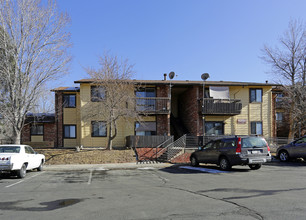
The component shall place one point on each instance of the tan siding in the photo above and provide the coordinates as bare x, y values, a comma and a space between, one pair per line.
255, 111
124, 128
243, 95
71, 116
70, 143
249, 112
37, 138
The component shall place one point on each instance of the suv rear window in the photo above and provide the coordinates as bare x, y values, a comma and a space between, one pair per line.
253, 142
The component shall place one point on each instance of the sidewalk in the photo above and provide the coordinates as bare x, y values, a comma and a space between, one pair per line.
112, 166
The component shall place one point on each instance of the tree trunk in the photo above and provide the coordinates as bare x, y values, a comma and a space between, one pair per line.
291, 122
16, 136
110, 140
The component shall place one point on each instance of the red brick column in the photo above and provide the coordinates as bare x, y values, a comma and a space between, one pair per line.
26, 134
59, 119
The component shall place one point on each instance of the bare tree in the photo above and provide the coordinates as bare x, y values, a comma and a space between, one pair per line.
34, 50
113, 94
45, 102
288, 64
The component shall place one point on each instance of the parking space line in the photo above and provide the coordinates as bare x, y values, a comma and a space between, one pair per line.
90, 177
24, 180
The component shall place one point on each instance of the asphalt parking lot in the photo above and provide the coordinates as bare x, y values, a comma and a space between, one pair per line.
276, 191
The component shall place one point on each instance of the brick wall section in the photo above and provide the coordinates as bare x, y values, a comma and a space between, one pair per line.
26, 134
184, 158
150, 154
147, 153
50, 132
163, 121
59, 119
162, 91
188, 108
49, 135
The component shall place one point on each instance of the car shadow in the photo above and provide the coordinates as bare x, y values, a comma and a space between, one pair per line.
291, 163
7, 175
207, 169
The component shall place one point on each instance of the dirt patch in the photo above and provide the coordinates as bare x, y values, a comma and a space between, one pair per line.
96, 156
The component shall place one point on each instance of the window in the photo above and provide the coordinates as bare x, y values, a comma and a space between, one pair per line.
279, 116
145, 101
255, 95
301, 141
145, 128
214, 128
9, 149
69, 101
256, 127
29, 150
209, 145
279, 97
98, 93
69, 131
98, 129
253, 142
145, 92
37, 129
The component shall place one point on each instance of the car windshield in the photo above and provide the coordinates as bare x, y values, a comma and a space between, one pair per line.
9, 149
253, 142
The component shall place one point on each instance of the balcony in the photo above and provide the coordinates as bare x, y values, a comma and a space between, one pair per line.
280, 103
220, 106
155, 105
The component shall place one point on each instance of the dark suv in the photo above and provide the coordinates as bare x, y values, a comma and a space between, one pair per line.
235, 150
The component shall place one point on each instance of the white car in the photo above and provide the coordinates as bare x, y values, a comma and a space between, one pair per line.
17, 159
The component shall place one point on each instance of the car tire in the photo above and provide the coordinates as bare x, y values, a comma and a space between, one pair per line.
41, 166
194, 162
22, 172
255, 166
283, 156
224, 164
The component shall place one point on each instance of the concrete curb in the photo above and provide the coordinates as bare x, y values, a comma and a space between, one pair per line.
75, 167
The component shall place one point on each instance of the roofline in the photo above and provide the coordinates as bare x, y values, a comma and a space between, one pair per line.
66, 89
187, 82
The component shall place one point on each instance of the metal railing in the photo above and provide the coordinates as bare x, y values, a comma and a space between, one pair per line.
155, 105
163, 147
168, 149
176, 148
220, 106
137, 141
275, 142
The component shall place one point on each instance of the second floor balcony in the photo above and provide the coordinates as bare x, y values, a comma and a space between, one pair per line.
153, 105
220, 106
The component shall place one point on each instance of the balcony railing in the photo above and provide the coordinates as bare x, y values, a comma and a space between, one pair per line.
279, 103
155, 105
220, 106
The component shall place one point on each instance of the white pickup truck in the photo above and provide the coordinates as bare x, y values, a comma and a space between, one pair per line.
17, 159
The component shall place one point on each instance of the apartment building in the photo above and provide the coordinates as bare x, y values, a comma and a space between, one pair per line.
167, 108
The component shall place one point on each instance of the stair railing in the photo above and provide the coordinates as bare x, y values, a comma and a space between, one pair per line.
166, 143
176, 148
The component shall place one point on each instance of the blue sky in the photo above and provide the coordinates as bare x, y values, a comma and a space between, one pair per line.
221, 37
